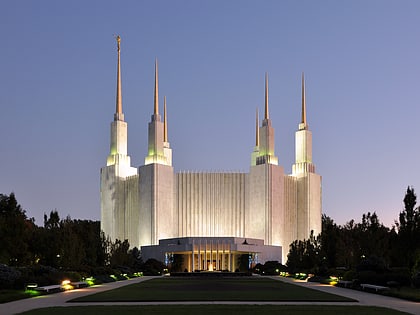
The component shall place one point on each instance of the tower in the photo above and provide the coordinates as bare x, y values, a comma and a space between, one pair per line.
114, 195
265, 206
156, 180
308, 183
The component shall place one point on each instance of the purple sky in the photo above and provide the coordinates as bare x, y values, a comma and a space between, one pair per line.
58, 76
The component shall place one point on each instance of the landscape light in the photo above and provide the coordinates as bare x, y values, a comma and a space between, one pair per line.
90, 281
66, 285
333, 280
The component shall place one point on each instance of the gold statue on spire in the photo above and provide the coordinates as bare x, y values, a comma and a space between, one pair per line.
118, 38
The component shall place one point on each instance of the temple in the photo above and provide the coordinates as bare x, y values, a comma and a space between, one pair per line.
210, 218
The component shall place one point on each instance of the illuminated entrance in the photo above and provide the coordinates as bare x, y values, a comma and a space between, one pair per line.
212, 253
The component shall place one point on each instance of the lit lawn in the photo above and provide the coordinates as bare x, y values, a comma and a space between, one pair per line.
215, 309
13, 295
212, 289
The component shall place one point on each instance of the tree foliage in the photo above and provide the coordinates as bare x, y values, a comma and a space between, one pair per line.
16, 232
409, 230
61, 243
367, 245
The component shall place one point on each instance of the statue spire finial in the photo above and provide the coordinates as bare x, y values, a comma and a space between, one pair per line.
118, 107
156, 107
266, 116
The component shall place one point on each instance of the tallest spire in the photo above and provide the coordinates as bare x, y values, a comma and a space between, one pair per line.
156, 108
118, 107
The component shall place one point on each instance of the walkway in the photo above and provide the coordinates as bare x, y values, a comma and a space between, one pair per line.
364, 298
60, 299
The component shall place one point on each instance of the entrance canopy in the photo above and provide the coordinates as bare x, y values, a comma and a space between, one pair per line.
212, 253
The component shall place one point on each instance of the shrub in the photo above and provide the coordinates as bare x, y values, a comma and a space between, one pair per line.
72, 276
416, 280
8, 276
349, 275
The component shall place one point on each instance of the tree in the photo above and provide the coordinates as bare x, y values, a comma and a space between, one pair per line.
119, 255
137, 261
305, 255
15, 232
408, 228
50, 246
329, 240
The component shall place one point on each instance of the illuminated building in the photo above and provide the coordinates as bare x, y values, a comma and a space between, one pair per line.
209, 216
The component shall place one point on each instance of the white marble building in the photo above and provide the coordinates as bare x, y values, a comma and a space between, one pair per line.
153, 202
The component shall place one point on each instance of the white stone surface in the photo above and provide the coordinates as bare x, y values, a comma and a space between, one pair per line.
152, 203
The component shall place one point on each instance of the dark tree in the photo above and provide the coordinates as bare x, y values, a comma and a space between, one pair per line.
16, 230
408, 228
305, 255
119, 255
329, 241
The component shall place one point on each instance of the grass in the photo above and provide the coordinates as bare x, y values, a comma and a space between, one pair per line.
216, 309
212, 289
406, 293
14, 295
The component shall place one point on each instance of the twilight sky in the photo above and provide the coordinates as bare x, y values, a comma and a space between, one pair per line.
58, 78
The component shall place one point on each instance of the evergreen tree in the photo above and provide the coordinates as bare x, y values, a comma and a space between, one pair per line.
408, 228
16, 231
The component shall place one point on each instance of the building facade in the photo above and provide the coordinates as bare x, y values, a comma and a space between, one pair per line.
153, 203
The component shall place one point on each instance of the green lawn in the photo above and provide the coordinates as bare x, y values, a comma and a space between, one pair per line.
215, 309
212, 289
13, 295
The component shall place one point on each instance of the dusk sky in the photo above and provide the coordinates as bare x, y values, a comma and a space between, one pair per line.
361, 59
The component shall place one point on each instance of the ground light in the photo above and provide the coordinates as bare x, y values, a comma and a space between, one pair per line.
333, 280
30, 289
90, 281
113, 277
66, 285
301, 276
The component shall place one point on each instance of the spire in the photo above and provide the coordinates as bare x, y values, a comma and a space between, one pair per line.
118, 107
165, 123
266, 96
257, 130
156, 108
303, 100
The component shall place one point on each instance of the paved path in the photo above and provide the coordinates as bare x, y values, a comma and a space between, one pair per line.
364, 298
60, 299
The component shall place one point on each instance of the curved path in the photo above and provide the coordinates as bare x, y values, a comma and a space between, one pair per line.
60, 299
364, 298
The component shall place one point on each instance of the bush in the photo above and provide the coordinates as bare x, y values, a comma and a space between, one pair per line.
72, 276
416, 280
8, 276
349, 275
372, 277
42, 275
104, 279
